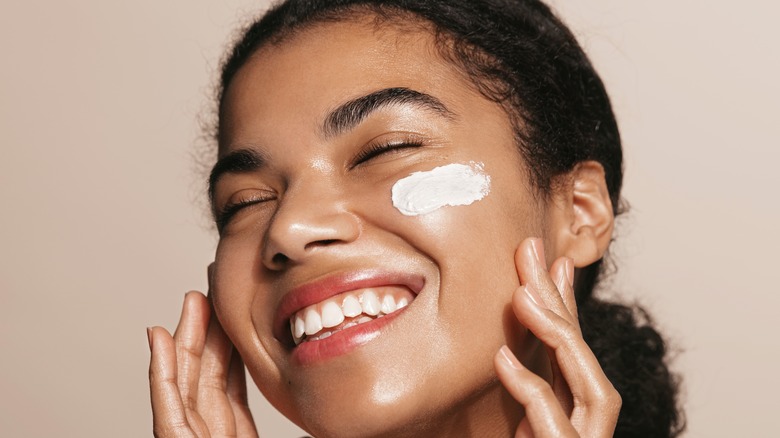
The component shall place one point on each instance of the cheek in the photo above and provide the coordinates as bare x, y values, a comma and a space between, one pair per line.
452, 185
241, 296
473, 246
467, 221
437, 210
234, 281
472, 243
235, 291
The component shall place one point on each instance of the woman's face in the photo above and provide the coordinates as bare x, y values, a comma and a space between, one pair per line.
313, 140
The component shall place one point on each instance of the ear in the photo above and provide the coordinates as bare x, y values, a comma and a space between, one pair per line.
581, 217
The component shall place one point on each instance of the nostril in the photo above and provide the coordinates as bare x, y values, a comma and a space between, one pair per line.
280, 259
322, 242
300, 232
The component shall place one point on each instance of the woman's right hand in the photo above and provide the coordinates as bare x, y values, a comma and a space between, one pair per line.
197, 378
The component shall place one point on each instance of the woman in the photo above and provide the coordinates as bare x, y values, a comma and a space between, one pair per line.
414, 199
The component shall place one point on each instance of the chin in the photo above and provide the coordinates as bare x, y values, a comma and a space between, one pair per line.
364, 406
367, 420
386, 400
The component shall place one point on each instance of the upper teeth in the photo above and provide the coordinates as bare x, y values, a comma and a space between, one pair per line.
312, 321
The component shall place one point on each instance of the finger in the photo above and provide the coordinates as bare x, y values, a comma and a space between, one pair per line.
532, 271
213, 404
168, 414
558, 271
542, 411
594, 397
524, 429
236, 378
562, 271
556, 287
236, 390
190, 340
559, 385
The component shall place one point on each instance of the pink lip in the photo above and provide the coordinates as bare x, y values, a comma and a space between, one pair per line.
341, 342
324, 288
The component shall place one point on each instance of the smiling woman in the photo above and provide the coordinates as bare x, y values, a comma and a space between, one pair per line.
357, 317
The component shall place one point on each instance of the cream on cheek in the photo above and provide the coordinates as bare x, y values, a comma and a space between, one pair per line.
453, 184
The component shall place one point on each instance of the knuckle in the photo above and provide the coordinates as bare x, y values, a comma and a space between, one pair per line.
211, 386
538, 389
608, 401
614, 400
568, 333
157, 380
213, 374
169, 430
188, 347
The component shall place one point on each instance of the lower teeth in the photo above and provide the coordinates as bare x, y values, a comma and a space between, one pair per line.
352, 323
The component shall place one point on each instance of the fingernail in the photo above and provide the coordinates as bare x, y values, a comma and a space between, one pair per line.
538, 250
509, 357
570, 271
534, 296
149, 335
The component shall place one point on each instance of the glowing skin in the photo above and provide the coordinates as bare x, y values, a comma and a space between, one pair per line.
453, 184
353, 318
318, 224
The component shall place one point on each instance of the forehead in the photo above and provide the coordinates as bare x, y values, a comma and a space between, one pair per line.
349, 48
302, 77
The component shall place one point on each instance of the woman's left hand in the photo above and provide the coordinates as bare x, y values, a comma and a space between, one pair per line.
580, 401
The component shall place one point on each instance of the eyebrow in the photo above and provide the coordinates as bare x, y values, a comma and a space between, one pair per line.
345, 117
238, 161
350, 114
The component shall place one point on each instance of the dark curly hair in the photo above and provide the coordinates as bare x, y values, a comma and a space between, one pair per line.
521, 56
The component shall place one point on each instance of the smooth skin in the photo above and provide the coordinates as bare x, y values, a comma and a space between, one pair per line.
429, 372
198, 385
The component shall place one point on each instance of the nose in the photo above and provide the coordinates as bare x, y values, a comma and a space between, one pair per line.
309, 219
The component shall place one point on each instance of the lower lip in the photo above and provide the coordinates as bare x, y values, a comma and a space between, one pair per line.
341, 342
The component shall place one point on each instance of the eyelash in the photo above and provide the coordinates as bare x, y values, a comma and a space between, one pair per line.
377, 149
226, 213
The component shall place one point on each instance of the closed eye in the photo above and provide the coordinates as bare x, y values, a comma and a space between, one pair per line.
374, 150
225, 214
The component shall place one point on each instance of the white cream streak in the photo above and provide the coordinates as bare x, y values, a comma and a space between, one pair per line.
453, 184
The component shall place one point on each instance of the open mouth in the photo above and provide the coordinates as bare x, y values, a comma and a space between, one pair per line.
341, 302
349, 309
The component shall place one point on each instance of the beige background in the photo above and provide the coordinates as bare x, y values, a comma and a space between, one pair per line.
100, 234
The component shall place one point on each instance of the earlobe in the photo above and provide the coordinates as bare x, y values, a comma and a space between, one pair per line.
583, 215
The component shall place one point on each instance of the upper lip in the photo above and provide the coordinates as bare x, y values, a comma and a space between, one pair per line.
325, 287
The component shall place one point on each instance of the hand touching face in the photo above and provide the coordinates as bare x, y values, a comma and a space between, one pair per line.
316, 130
